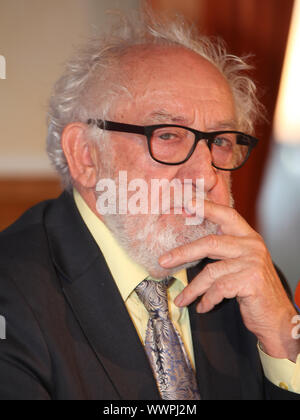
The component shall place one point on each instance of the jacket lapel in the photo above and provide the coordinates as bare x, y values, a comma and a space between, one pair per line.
98, 307
96, 302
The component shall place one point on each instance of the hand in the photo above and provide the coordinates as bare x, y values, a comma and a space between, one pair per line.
244, 271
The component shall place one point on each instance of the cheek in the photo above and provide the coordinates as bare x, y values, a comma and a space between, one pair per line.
222, 191
130, 155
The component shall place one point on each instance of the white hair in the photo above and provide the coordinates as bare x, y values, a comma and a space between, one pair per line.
97, 64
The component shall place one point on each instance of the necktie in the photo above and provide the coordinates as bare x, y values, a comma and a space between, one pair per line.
171, 366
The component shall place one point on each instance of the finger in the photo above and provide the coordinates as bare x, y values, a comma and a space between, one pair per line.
226, 287
228, 219
216, 247
211, 273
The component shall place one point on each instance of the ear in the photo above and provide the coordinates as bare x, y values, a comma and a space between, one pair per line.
81, 155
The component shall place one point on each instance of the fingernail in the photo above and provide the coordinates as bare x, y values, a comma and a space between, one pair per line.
219, 231
178, 301
199, 308
190, 207
166, 259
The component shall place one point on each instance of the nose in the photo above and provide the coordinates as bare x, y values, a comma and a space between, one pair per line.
199, 166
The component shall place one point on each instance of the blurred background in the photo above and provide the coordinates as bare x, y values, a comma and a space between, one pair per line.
36, 38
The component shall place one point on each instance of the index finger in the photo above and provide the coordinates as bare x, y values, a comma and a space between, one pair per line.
227, 218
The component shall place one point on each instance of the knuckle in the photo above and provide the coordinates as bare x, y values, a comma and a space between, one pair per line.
257, 261
258, 244
259, 250
213, 242
210, 271
256, 275
221, 287
226, 289
234, 215
260, 260
226, 265
180, 253
261, 247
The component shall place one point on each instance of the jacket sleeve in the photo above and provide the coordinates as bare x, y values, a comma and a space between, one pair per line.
275, 393
272, 391
25, 365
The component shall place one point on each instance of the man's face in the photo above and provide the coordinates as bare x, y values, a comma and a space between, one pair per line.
169, 86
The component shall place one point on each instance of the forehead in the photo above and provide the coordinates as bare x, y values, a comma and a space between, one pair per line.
174, 81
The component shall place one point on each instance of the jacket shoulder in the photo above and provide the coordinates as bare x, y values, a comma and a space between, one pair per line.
25, 238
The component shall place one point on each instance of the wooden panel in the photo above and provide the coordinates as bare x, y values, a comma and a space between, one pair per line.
17, 195
191, 9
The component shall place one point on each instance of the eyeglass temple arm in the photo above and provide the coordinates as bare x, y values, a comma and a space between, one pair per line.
112, 126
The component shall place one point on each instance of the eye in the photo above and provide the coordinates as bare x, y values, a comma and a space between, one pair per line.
223, 142
172, 135
167, 136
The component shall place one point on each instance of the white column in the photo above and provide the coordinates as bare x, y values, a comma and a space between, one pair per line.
279, 205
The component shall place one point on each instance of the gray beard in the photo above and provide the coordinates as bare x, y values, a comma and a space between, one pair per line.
145, 241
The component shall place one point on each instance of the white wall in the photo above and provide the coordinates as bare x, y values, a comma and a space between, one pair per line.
279, 209
36, 38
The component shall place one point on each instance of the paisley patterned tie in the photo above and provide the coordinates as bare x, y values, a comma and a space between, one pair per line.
171, 366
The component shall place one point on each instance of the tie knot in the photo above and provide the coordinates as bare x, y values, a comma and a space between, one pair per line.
154, 296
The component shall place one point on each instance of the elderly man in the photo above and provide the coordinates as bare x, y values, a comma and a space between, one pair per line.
136, 305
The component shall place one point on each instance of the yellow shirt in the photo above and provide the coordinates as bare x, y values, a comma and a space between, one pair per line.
126, 282
280, 372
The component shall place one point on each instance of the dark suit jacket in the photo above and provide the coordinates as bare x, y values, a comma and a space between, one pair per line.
68, 333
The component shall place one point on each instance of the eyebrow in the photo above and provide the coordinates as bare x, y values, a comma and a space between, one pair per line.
223, 125
165, 117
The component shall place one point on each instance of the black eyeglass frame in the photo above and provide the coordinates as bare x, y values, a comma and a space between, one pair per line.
147, 131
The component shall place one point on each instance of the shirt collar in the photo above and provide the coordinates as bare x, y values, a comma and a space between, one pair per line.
118, 261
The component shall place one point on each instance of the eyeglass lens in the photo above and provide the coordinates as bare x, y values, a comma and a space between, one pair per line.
174, 145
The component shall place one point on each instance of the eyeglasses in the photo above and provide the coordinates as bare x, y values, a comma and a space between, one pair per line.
175, 144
